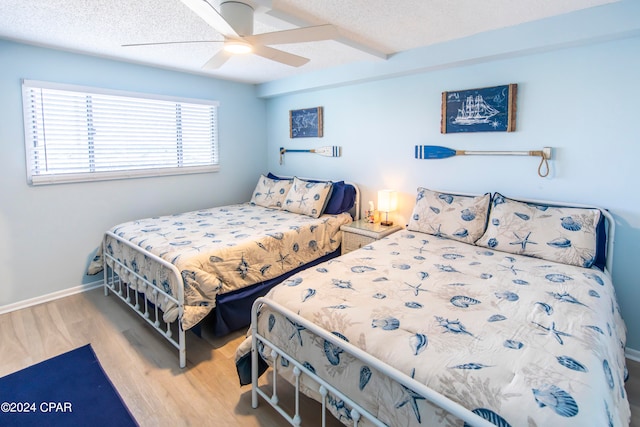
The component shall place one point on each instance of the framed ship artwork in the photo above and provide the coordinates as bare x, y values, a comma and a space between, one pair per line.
489, 109
305, 123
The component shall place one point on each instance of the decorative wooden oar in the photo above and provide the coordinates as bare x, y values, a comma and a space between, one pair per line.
437, 152
329, 151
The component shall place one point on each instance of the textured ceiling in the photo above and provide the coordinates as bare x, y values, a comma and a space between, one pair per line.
370, 29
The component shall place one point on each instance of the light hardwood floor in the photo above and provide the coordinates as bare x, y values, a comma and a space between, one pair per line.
144, 368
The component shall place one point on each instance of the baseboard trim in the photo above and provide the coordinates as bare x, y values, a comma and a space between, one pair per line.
50, 297
632, 354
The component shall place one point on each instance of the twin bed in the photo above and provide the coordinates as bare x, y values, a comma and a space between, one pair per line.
484, 311
178, 269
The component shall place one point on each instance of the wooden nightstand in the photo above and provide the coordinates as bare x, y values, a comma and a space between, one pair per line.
360, 233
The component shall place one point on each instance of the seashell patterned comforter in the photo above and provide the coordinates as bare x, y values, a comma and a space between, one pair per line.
219, 250
519, 341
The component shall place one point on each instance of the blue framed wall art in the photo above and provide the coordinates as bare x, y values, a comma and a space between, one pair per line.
489, 109
305, 123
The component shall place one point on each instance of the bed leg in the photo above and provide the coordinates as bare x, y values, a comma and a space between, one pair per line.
323, 392
254, 366
296, 418
182, 346
254, 396
105, 279
274, 393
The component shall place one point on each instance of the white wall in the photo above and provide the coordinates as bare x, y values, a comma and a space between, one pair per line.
582, 101
49, 233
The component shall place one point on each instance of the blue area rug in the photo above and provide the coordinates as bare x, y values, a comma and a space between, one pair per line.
67, 390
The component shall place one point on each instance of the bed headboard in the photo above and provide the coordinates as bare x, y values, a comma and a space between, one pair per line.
355, 211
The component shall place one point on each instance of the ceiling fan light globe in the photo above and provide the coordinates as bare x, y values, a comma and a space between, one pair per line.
237, 47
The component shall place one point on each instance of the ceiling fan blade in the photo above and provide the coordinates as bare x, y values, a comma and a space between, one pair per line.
297, 35
180, 42
211, 16
280, 56
217, 60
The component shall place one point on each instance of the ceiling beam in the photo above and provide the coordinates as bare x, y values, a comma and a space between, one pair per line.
266, 8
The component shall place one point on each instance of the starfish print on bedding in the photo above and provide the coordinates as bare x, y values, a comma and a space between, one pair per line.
302, 201
411, 397
436, 231
415, 288
297, 328
522, 241
511, 268
283, 259
421, 248
268, 194
556, 334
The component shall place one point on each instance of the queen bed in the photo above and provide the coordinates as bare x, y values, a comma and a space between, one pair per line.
176, 269
484, 311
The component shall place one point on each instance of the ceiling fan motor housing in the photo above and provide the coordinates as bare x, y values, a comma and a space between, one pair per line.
239, 15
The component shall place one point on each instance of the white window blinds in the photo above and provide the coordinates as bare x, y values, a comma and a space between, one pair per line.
82, 134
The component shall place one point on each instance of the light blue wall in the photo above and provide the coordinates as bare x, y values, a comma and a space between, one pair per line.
578, 92
48, 233
582, 101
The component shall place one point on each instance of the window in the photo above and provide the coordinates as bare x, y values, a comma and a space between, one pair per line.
77, 133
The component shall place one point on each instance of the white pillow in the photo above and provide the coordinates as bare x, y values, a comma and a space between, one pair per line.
456, 217
307, 198
270, 193
562, 234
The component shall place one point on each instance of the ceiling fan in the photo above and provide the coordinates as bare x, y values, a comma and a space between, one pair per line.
235, 23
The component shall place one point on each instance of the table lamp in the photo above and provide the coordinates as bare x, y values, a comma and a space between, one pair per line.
387, 202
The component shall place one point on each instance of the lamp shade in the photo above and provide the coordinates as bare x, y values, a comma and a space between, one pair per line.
387, 202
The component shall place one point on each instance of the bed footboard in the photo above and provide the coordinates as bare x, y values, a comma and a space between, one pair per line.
324, 388
147, 298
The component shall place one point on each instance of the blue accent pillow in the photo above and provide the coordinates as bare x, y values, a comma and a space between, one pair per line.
349, 199
272, 176
601, 244
342, 198
334, 206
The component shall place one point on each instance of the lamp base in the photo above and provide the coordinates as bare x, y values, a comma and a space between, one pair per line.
386, 223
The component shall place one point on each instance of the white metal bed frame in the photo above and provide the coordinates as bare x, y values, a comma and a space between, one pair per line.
324, 387
133, 297
147, 293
